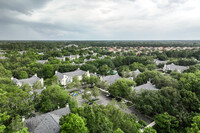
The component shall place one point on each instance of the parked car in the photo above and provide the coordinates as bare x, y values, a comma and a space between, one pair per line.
108, 95
89, 103
118, 99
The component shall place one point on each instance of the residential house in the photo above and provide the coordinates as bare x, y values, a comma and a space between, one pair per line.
160, 62
3, 57
133, 74
173, 67
39, 91
30, 81
46, 123
42, 61
72, 57
67, 77
110, 78
147, 86
86, 60
72, 45
41, 53
61, 58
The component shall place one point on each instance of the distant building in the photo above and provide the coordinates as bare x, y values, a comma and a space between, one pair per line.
160, 62
73, 57
67, 77
72, 45
22, 52
30, 81
42, 61
2, 53
173, 67
133, 74
110, 78
147, 86
41, 53
61, 58
86, 55
86, 60
103, 57
137, 72
3, 57
46, 123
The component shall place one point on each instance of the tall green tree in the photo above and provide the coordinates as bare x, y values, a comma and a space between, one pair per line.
118, 131
23, 75
48, 71
195, 125
166, 123
95, 92
52, 98
73, 123
122, 87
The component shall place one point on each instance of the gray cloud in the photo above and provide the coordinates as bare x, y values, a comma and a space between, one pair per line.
99, 19
22, 6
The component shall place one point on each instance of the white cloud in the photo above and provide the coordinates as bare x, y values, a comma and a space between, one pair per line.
106, 19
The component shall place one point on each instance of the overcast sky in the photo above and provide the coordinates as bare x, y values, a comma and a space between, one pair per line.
99, 19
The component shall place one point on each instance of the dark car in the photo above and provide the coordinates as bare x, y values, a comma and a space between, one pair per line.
89, 103
118, 99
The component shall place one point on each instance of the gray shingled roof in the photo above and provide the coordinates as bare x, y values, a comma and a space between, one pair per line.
59, 58
46, 123
147, 86
159, 62
42, 61
39, 91
173, 67
3, 57
86, 60
72, 56
137, 72
59, 75
111, 78
78, 72
29, 81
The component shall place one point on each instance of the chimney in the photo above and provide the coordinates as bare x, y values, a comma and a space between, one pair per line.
35, 75
23, 118
56, 72
42, 81
67, 105
12, 78
78, 69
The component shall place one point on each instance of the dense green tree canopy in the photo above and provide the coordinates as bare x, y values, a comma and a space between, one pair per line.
73, 123
122, 87
52, 98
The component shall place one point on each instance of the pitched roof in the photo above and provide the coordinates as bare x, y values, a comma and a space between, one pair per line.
3, 57
39, 91
72, 56
174, 67
78, 72
147, 86
159, 61
46, 123
137, 72
42, 61
111, 78
29, 81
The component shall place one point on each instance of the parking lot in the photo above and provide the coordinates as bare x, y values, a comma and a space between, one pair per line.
104, 100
